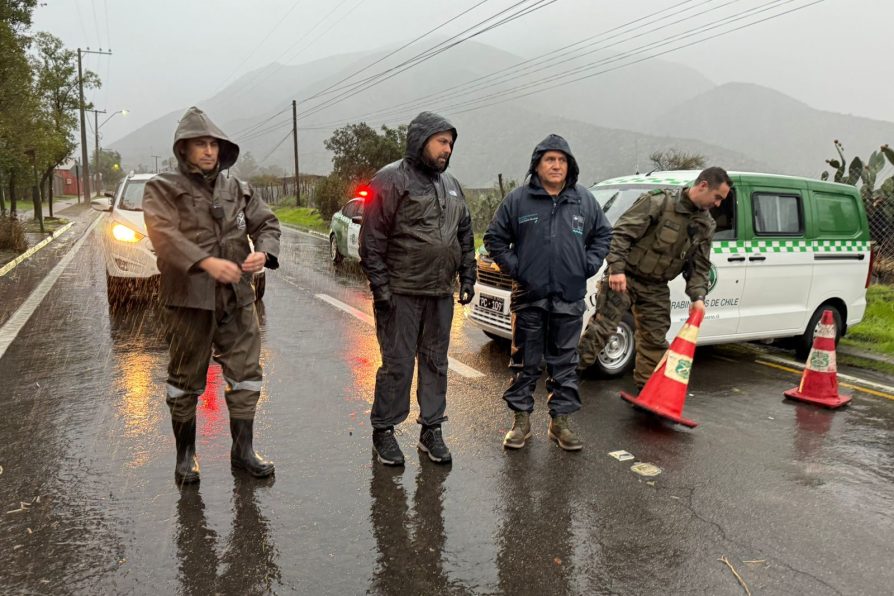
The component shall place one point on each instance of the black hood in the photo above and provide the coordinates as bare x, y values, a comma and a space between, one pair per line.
195, 123
420, 130
555, 143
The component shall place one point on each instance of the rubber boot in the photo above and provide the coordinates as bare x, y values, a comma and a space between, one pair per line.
243, 455
187, 469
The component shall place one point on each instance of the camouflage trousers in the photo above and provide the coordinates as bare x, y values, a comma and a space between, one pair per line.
650, 304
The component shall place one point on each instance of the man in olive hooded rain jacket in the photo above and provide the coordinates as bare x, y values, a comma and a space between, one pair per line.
199, 221
416, 236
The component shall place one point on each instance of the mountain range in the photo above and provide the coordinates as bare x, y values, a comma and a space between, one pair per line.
613, 121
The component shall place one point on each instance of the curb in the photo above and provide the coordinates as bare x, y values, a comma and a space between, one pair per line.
12, 264
314, 233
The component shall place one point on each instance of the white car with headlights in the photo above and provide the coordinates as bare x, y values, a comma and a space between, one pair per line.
131, 267
130, 259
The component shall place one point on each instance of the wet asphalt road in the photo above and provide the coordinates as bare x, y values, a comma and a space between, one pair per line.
800, 500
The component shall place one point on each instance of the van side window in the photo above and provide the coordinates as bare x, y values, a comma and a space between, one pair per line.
777, 214
838, 214
725, 218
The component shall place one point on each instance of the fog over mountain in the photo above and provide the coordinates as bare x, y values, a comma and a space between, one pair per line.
612, 121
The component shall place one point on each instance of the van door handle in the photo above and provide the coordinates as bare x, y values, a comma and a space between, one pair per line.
736, 259
757, 258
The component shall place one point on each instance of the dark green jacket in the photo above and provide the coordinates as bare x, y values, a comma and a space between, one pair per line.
655, 237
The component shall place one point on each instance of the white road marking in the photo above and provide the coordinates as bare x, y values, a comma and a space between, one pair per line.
13, 326
454, 365
849, 378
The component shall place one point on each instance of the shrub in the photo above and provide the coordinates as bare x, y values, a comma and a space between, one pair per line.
12, 235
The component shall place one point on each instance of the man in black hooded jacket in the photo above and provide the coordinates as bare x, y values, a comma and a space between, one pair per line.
416, 236
550, 236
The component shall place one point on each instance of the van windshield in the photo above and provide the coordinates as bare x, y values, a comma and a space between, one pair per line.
617, 199
132, 196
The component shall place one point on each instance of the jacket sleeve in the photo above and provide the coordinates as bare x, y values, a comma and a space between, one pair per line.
379, 214
697, 285
500, 236
163, 224
599, 239
630, 227
262, 226
467, 268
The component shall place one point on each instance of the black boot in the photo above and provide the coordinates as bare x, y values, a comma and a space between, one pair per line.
187, 469
242, 455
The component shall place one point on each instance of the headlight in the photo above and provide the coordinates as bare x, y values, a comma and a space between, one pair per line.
122, 233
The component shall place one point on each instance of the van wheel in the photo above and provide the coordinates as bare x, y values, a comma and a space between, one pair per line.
804, 343
334, 254
619, 354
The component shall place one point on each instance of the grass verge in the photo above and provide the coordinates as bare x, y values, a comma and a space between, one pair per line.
50, 225
875, 333
303, 217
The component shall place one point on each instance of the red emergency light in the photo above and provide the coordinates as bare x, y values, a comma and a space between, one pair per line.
363, 192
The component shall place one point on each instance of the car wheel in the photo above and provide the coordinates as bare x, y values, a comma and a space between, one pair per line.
116, 290
260, 282
619, 354
334, 253
804, 343
497, 338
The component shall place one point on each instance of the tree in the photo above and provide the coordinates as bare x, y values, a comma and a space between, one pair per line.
359, 151
246, 167
109, 167
17, 104
56, 90
674, 159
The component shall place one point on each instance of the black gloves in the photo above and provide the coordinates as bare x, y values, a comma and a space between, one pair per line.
382, 306
466, 293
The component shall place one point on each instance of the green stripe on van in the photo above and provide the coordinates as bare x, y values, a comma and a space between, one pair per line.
787, 246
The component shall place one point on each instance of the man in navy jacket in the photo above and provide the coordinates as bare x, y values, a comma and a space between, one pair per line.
550, 235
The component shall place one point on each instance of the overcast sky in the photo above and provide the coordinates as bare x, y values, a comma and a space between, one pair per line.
168, 54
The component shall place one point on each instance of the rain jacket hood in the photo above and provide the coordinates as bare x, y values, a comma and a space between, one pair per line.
195, 123
420, 130
555, 143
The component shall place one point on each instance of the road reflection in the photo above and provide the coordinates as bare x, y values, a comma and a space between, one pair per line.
410, 543
249, 562
535, 538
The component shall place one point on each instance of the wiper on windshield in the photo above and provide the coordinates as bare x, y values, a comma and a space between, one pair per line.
608, 203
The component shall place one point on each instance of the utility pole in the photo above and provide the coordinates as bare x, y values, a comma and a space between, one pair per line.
83, 120
156, 162
96, 154
295, 150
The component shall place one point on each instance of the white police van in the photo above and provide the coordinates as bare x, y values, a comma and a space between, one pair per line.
785, 249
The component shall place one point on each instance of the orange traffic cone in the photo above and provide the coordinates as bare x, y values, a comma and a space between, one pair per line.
819, 383
665, 392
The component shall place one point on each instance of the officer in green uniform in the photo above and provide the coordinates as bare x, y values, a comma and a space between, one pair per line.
663, 231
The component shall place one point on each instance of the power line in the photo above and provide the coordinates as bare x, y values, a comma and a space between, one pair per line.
279, 22
435, 50
259, 124
263, 159
381, 77
265, 131
503, 98
258, 76
388, 55
503, 95
514, 70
